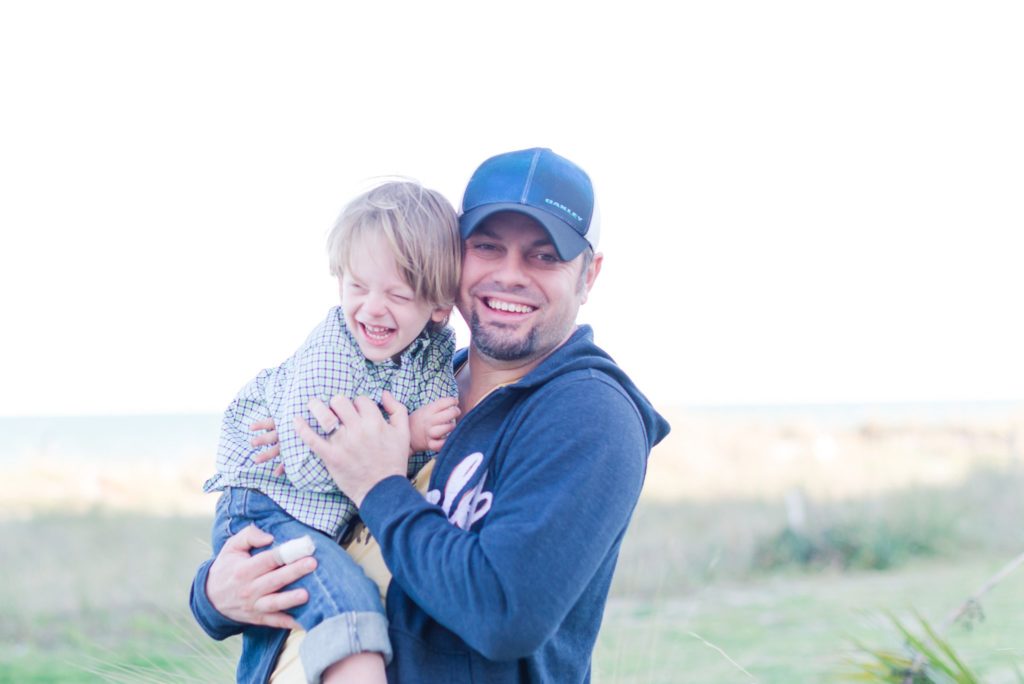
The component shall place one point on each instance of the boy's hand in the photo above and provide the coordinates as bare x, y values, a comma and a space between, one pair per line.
267, 439
430, 425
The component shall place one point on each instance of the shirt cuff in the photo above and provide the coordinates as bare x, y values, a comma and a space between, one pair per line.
212, 621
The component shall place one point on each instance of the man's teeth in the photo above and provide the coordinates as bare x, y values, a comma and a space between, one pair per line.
509, 306
376, 331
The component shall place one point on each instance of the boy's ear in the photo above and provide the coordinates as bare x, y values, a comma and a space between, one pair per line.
441, 314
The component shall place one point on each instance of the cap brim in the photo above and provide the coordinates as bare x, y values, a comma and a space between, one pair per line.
568, 243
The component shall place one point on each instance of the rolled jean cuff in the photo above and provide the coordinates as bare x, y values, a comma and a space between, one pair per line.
343, 635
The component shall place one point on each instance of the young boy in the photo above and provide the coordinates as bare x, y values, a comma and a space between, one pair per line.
395, 251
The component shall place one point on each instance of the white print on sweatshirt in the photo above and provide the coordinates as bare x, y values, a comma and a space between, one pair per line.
474, 504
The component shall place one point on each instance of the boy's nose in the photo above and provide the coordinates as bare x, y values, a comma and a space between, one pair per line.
376, 304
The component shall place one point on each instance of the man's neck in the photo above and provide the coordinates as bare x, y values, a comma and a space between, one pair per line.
481, 375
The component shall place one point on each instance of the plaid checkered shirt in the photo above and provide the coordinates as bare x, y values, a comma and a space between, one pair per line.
327, 364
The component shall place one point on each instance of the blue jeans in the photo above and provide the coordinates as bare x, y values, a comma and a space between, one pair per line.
344, 614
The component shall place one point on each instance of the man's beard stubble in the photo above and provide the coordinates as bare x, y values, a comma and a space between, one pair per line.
494, 347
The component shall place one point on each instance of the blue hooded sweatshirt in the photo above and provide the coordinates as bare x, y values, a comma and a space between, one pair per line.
501, 574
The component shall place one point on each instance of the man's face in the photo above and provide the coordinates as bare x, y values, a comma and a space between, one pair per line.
518, 296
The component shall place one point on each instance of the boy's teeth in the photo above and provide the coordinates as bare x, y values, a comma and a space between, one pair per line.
377, 331
508, 306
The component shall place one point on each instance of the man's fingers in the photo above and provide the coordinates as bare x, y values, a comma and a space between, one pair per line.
280, 620
251, 537
271, 581
393, 406
315, 442
346, 410
267, 455
275, 603
324, 416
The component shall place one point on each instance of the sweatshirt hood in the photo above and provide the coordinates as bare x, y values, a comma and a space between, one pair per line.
580, 353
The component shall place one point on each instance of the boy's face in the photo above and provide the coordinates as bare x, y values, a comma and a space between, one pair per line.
381, 309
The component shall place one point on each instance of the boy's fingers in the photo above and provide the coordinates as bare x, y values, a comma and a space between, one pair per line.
279, 470
435, 444
268, 455
444, 403
264, 439
262, 424
449, 414
439, 431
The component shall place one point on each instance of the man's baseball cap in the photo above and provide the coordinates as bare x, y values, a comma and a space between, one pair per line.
544, 186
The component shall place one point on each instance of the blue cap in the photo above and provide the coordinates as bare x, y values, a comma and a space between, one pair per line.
544, 186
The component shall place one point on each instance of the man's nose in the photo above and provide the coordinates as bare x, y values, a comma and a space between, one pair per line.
511, 270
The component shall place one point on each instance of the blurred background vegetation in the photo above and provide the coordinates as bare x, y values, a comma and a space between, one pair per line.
769, 548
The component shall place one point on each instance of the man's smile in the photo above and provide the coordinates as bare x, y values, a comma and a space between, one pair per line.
507, 306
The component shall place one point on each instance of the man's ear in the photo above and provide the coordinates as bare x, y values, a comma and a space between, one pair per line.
440, 314
592, 272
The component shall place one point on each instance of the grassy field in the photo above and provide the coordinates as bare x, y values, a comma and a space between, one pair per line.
103, 596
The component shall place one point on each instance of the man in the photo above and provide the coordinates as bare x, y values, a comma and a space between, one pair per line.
501, 573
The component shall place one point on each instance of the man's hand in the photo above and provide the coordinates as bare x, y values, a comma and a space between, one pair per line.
365, 448
429, 425
247, 588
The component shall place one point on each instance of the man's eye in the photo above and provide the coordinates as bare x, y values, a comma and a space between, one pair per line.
547, 258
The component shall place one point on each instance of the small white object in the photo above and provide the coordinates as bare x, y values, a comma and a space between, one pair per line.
293, 550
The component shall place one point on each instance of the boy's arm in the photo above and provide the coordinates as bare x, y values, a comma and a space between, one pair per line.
429, 425
435, 407
236, 448
318, 371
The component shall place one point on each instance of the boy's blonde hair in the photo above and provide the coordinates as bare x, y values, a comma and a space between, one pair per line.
419, 225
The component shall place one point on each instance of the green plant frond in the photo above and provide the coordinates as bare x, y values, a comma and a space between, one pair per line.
964, 675
931, 658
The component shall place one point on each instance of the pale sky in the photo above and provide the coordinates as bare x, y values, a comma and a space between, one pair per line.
802, 201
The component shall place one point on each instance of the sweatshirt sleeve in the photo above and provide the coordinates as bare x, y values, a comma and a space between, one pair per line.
561, 502
209, 618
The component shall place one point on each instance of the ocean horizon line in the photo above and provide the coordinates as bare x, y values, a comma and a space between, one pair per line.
699, 407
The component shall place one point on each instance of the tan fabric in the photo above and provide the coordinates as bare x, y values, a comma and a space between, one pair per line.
366, 553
